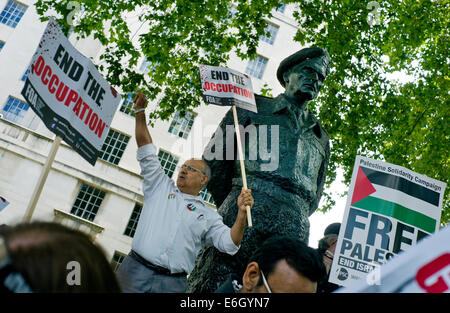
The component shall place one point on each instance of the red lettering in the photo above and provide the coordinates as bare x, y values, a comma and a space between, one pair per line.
77, 106
88, 116
207, 87
53, 80
85, 106
40, 63
61, 92
73, 96
93, 122
213, 87
100, 127
219, 87
434, 276
47, 70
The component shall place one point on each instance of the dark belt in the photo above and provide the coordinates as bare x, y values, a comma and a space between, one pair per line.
156, 268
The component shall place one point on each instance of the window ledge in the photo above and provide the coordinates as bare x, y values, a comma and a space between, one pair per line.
76, 222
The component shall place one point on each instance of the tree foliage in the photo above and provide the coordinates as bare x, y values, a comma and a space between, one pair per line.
364, 110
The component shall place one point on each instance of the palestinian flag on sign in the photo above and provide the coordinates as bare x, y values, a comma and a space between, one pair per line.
401, 197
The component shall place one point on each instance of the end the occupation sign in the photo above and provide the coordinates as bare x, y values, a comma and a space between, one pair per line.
70, 96
389, 209
227, 87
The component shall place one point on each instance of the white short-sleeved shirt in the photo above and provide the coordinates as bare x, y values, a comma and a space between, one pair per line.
173, 225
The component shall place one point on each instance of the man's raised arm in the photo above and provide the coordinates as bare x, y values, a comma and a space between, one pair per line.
142, 134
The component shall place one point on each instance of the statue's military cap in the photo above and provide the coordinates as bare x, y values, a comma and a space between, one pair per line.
319, 60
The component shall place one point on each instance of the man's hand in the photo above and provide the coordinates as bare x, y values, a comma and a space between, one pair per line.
142, 134
237, 231
140, 101
245, 199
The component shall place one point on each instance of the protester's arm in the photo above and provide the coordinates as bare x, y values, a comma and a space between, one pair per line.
154, 176
142, 134
237, 231
224, 238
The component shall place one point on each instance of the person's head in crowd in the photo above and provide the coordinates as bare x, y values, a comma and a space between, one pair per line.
326, 249
48, 257
327, 245
193, 176
283, 264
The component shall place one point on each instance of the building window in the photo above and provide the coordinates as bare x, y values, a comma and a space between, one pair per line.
117, 259
168, 162
2, 44
206, 196
134, 219
181, 126
15, 110
114, 146
256, 67
127, 104
272, 31
12, 13
87, 202
145, 66
282, 8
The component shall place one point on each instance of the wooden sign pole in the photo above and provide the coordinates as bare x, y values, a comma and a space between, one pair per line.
40, 184
241, 159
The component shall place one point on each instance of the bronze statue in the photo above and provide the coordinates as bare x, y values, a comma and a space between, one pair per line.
287, 188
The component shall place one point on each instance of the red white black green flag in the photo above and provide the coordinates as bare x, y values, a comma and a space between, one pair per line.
389, 208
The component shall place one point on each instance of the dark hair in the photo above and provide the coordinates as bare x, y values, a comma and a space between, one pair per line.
296, 253
41, 252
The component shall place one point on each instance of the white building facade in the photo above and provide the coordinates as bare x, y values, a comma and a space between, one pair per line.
103, 200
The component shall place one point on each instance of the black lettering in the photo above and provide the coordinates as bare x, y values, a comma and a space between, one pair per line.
66, 62
399, 239
76, 71
100, 97
366, 254
346, 245
357, 251
420, 235
88, 80
383, 232
352, 223
58, 53
94, 89
378, 257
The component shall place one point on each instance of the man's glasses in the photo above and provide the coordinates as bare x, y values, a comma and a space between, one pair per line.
329, 254
190, 168
266, 284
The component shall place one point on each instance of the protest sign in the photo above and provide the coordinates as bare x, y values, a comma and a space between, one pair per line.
226, 87
423, 268
71, 97
389, 208
3, 203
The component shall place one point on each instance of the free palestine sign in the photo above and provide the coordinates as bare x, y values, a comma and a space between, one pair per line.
389, 209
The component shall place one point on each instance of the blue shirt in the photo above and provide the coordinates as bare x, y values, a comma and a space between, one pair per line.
173, 225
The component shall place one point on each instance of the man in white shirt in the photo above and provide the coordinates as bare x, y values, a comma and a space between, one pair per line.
174, 222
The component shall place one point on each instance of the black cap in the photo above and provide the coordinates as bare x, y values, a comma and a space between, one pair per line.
332, 229
322, 65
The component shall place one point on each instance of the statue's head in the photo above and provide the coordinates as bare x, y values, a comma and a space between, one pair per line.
303, 73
